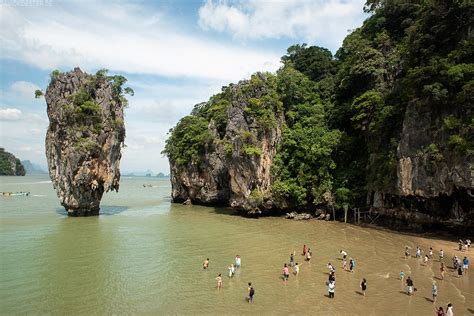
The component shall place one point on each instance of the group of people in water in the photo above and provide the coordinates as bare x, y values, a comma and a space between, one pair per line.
307, 253
331, 283
461, 266
232, 269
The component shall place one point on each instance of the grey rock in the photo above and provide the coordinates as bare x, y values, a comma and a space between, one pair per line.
230, 178
81, 174
429, 191
298, 216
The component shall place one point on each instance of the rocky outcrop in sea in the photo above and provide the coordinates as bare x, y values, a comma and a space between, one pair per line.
10, 165
235, 168
85, 136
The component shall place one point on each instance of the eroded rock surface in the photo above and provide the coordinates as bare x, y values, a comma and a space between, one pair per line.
234, 169
84, 138
435, 181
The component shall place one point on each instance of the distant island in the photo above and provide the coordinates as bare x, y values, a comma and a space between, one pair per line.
32, 168
147, 173
10, 165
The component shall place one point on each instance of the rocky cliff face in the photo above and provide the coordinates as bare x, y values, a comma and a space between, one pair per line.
84, 138
10, 165
234, 168
435, 180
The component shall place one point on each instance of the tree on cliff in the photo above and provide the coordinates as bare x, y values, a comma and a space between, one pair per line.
343, 115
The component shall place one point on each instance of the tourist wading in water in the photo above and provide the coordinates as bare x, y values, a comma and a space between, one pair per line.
449, 310
352, 265
308, 255
205, 264
330, 267
238, 261
332, 277
286, 273
465, 264
219, 281
363, 286
250, 293
331, 287
442, 269
434, 292
343, 253
292, 259
231, 270
439, 311
425, 260
297, 269
409, 284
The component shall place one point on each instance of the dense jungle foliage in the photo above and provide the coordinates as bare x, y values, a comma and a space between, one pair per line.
343, 114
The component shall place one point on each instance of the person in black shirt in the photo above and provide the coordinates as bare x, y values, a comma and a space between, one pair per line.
251, 292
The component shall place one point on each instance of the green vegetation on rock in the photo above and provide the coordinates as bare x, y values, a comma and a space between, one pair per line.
83, 117
188, 140
10, 165
343, 115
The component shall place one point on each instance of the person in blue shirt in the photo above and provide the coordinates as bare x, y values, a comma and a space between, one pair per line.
465, 264
352, 265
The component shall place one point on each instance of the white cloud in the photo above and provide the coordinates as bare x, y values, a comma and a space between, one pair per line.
326, 21
182, 67
24, 136
24, 89
10, 114
130, 39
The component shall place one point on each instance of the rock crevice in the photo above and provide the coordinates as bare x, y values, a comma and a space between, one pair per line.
84, 139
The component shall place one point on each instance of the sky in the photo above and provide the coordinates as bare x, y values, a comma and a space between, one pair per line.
174, 54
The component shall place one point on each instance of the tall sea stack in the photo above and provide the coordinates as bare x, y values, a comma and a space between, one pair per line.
85, 135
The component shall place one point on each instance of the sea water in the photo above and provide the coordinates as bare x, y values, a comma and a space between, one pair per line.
144, 254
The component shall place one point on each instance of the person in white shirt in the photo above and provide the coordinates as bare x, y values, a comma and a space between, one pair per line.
343, 253
297, 269
449, 310
331, 287
237, 261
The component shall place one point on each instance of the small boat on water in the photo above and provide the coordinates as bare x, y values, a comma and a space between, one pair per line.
14, 193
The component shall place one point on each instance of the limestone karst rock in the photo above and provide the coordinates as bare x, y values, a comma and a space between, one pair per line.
234, 169
10, 165
84, 139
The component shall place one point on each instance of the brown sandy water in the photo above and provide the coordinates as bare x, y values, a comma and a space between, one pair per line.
144, 256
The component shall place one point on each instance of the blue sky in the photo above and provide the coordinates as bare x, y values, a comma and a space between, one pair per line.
174, 53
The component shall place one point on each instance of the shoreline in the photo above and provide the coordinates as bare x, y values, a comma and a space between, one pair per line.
447, 229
